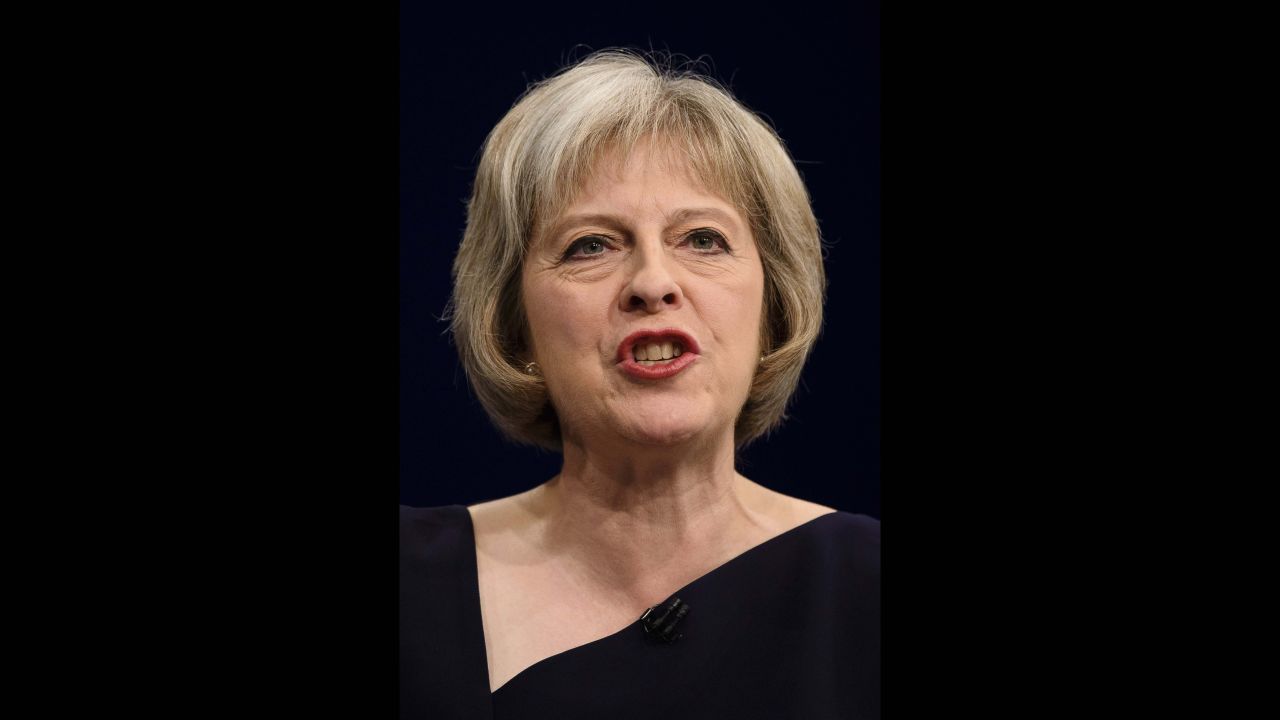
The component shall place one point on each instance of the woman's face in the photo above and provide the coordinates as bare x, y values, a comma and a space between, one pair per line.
645, 261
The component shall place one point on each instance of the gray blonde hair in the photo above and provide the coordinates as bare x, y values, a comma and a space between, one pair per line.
534, 163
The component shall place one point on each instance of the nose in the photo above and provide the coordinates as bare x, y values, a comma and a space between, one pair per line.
652, 286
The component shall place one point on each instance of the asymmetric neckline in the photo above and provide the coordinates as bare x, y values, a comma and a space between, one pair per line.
702, 579
787, 628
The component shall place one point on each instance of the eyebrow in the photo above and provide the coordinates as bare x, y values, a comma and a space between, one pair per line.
614, 222
684, 214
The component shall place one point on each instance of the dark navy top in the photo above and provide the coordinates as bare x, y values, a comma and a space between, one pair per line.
787, 629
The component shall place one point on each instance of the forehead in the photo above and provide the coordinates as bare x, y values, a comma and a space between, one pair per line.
649, 177
645, 173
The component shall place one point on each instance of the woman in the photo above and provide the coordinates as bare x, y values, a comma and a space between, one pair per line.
638, 287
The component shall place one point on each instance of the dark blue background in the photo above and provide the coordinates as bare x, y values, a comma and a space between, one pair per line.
816, 77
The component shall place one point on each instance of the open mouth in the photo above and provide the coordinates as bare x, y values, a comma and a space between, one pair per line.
657, 354
654, 352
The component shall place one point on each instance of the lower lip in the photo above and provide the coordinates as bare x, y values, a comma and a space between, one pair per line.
659, 371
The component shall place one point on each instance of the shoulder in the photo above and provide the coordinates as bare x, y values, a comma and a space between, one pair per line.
851, 542
772, 508
427, 520
433, 534
863, 528
840, 543
853, 530
445, 658
504, 527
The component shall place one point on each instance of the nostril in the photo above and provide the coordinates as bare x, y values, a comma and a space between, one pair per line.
638, 302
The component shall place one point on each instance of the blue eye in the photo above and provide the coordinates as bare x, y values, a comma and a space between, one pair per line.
707, 241
586, 247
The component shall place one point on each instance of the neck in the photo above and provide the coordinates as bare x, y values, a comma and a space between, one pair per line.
640, 522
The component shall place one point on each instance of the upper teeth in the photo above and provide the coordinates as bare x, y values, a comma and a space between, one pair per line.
664, 350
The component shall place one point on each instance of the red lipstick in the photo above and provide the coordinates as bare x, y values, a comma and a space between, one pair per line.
627, 362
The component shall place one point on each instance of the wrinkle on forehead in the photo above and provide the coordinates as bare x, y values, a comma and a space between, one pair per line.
682, 159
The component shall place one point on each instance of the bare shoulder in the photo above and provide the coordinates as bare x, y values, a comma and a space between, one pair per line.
503, 529
498, 525
803, 511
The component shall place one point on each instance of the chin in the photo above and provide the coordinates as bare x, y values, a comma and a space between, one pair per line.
661, 436
669, 428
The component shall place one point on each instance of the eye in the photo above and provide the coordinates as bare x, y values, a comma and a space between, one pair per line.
707, 241
586, 247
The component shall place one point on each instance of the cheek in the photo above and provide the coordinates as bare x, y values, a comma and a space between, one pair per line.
736, 314
565, 320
